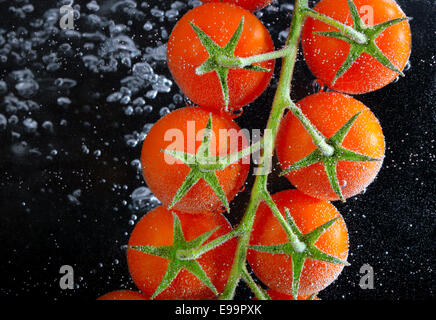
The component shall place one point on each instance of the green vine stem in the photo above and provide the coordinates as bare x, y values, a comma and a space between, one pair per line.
295, 242
347, 31
259, 193
259, 292
282, 101
318, 139
344, 29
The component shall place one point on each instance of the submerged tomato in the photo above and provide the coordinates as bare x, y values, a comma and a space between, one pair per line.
275, 270
251, 5
156, 229
325, 55
185, 53
329, 112
181, 130
122, 295
274, 295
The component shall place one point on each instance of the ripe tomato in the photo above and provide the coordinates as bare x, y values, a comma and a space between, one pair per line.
329, 112
274, 295
325, 55
185, 53
156, 229
122, 295
181, 130
275, 270
251, 5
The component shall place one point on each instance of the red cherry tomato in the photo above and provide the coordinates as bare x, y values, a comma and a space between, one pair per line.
274, 295
185, 53
275, 270
156, 229
181, 130
325, 55
329, 112
251, 5
122, 295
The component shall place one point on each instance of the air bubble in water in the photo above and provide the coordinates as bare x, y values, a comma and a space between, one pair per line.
3, 122
65, 83
3, 87
116, 96
148, 26
93, 6
30, 125
164, 111
27, 88
140, 196
63, 101
142, 70
283, 35
136, 164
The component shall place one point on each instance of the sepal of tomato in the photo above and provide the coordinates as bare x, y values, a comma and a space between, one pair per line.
204, 52
219, 56
365, 59
370, 47
330, 162
204, 166
355, 135
273, 255
176, 264
310, 251
195, 172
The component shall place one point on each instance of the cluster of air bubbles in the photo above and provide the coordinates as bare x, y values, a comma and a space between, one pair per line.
142, 199
113, 63
73, 198
49, 68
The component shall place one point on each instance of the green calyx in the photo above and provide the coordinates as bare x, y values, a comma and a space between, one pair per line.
204, 166
299, 257
222, 59
357, 48
176, 264
330, 162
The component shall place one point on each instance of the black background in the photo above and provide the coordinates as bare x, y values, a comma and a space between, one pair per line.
391, 226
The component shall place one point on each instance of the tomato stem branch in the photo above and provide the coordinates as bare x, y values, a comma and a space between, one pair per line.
197, 252
264, 57
318, 139
343, 28
259, 292
222, 162
293, 239
281, 102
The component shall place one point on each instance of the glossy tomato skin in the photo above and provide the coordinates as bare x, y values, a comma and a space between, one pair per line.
123, 295
156, 229
275, 270
328, 112
325, 55
251, 5
182, 130
274, 295
185, 53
